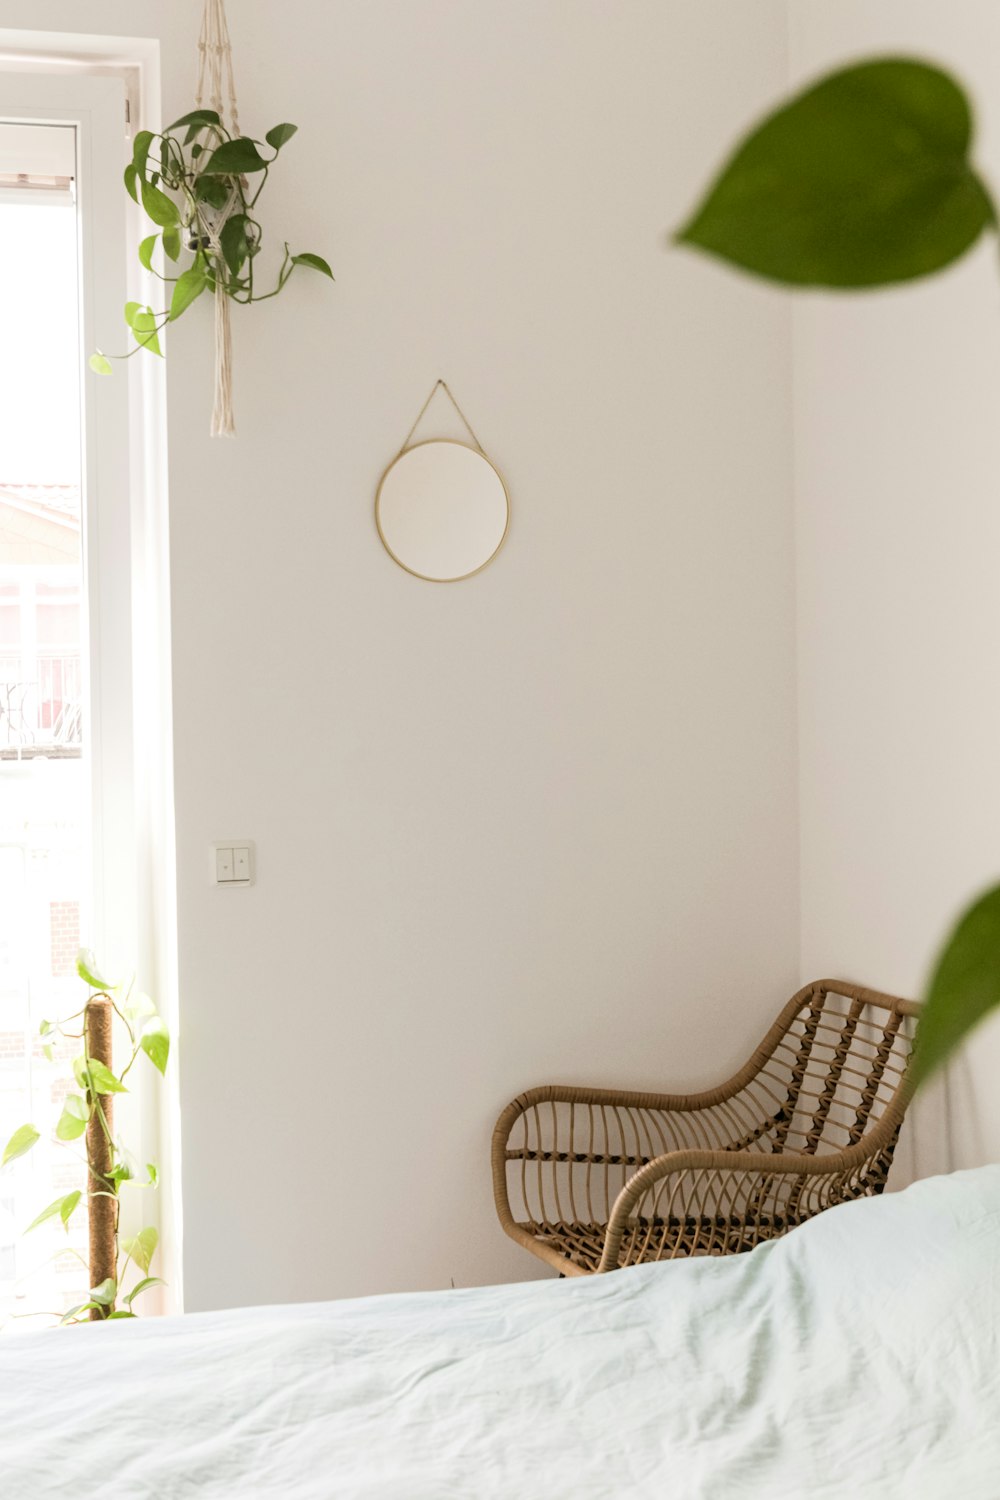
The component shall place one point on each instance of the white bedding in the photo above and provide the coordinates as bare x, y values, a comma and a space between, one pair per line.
858, 1357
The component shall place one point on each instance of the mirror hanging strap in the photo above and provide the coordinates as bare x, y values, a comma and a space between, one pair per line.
443, 385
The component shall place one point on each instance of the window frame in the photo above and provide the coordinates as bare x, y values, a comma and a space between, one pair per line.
128, 731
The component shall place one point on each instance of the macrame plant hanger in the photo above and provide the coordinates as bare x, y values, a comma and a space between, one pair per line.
215, 73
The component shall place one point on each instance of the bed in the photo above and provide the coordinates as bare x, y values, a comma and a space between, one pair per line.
858, 1356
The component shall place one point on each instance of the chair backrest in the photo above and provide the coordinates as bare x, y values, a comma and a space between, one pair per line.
830, 1069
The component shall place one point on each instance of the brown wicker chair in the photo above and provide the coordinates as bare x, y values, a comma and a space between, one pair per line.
600, 1179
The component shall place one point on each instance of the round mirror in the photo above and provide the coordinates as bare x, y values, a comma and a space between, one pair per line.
442, 510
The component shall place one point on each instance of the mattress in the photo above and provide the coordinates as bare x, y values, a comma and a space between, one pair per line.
857, 1357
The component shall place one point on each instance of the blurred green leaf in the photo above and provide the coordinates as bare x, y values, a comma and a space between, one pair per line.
99, 364
211, 190
63, 1206
121, 1172
120, 1313
142, 1247
22, 1140
189, 285
316, 262
146, 250
278, 135
155, 1042
132, 182
73, 1120
964, 986
86, 963
194, 117
172, 241
104, 1081
74, 1312
140, 150
104, 1292
233, 158
233, 240
862, 180
152, 1173
144, 331
142, 1286
161, 209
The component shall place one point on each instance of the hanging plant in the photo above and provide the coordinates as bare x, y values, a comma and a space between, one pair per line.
200, 183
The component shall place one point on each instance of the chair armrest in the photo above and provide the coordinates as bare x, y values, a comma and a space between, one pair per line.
711, 1202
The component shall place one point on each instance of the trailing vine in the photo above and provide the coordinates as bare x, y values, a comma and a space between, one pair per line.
201, 190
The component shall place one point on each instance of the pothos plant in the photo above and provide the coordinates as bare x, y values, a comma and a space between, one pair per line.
865, 180
114, 1261
200, 186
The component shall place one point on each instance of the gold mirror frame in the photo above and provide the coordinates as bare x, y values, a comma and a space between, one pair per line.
456, 443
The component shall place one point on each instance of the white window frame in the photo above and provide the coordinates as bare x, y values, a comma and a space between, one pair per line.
128, 733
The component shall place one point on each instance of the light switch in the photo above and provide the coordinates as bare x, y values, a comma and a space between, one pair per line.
233, 863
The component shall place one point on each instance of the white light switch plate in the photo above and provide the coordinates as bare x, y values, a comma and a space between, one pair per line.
233, 863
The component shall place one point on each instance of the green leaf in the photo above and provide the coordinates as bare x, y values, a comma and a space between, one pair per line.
69, 1205
161, 209
21, 1141
104, 1293
142, 1286
103, 1080
79, 1066
155, 1042
211, 190
46, 1027
862, 180
139, 1008
315, 261
146, 251
120, 1313
99, 364
140, 150
195, 117
233, 239
48, 1052
172, 241
233, 158
63, 1206
964, 986
144, 331
86, 963
189, 285
132, 182
131, 309
153, 1175
73, 1120
120, 1173
142, 1247
74, 1312
278, 135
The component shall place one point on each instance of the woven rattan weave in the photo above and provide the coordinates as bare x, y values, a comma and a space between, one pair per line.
594, 1179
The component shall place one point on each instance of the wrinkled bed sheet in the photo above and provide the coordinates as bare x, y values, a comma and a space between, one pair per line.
857, 1357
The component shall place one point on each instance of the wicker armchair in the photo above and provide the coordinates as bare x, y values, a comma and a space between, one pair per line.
593, 1179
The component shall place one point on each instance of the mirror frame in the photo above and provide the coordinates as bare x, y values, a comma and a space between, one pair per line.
426, 577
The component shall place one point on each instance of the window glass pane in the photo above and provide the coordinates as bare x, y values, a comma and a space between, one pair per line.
44, 776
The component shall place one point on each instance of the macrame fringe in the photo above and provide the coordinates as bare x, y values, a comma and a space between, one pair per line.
215, 73
223, 423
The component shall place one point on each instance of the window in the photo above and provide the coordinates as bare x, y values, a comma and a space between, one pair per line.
70, 823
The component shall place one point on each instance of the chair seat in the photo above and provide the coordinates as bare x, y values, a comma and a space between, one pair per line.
660, 1239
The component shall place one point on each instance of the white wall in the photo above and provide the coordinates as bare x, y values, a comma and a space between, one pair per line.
540, 824
898, 517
